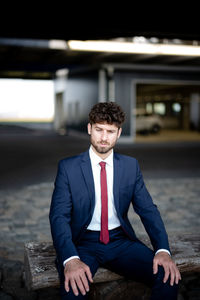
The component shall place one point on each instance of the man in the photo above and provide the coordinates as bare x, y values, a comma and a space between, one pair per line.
88, 216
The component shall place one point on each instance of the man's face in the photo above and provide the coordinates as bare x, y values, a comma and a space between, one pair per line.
103, 137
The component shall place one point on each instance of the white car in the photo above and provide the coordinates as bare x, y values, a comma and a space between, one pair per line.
146, 122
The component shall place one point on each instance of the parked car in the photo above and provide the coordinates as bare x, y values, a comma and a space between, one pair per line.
148, 123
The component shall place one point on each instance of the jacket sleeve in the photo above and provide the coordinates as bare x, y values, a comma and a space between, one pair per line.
149, 214
60, 216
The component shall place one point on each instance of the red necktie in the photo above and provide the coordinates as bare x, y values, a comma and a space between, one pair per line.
104, 234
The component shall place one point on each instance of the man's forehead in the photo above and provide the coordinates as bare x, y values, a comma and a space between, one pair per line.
105, 125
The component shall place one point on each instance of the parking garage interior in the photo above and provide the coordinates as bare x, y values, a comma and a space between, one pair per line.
171, 109
165, 87
47, 56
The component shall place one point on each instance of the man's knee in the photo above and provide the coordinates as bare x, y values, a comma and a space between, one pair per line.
70, 295
164, 288
159, 276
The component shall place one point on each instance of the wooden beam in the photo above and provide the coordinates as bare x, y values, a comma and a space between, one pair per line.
40, 269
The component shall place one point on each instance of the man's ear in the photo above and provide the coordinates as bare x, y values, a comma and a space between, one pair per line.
89, 128
119, 132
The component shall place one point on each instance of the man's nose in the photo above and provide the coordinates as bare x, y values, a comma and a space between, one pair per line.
104, 136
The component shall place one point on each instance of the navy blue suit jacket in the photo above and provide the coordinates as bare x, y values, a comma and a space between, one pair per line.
73, 202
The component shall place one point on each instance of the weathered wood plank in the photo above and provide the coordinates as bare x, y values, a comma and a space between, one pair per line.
40, 269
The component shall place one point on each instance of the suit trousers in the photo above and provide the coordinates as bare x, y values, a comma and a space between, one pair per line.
131, 259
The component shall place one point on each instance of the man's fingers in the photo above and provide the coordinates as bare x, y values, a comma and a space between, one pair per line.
78, 282
67, 285
89, 274
177, 275
172, 272
172, 277
84, 282
81, 285
166, 274
74, 287
170, 269
77, 275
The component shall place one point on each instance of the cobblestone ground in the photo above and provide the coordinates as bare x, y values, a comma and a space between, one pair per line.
24, 217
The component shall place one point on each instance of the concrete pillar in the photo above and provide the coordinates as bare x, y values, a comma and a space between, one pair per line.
102, 86
186, 114
195, 110
59, 119
111, 84
60, 116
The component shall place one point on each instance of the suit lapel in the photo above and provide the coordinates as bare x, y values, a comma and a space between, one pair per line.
88, 177
116, 180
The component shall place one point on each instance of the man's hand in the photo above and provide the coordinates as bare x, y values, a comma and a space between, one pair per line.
77, 274
163, 259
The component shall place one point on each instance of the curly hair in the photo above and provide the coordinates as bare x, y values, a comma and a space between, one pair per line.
109, 112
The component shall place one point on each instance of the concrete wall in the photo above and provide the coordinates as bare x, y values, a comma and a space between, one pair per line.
81, 95
74, 96
123, 96
126, 82
80, 91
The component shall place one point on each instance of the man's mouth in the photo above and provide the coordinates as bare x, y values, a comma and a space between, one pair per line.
103, 144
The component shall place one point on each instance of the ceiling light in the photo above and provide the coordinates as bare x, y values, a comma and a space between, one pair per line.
62, 72
135, 48
57, 44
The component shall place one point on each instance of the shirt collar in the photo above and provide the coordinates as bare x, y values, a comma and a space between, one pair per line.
95, 159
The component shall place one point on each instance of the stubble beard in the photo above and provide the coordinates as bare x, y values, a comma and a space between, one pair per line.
102, 150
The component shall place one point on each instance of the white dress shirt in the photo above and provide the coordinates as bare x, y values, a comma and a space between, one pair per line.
113, 221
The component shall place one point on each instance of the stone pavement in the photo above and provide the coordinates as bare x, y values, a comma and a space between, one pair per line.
24, 212
24, 217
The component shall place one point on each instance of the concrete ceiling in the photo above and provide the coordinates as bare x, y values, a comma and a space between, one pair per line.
25, 54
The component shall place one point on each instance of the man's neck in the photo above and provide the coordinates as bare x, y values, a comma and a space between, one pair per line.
102, 155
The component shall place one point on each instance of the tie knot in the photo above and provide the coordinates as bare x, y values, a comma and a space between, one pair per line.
102, 164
